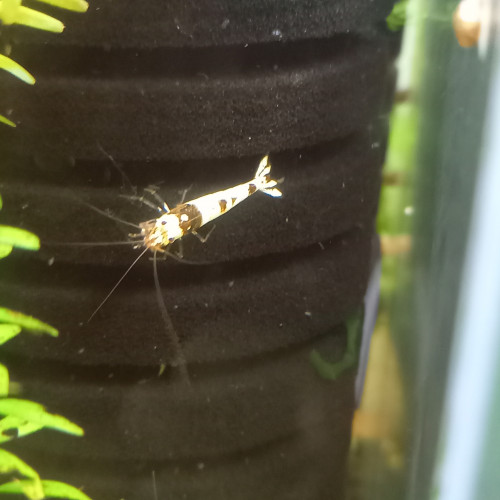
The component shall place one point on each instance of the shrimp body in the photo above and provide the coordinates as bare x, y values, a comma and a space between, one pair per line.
157, 234
187, 218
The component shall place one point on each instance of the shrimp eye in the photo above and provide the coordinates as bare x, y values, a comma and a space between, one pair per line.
163, 222
171, 240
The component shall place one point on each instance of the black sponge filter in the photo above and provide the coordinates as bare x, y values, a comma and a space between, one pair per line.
189, 96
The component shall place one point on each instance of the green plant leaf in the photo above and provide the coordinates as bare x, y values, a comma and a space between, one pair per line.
9, 464
332, 371
327, 370
35, 19
56, 489
27, 487
397, 18
14, 427
52, 489
35, 413
5, 250
16, 69
6, 121
8, 331
4, 382
74, 5
9, 9
26, 322
18, 238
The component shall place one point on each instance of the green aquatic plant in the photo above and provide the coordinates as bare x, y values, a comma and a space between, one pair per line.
13, 12
333, 370
20, 417
51, 489
7, 64
397, 18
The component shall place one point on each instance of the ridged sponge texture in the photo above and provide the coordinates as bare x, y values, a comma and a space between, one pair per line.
219, 104
327, 190
202, 23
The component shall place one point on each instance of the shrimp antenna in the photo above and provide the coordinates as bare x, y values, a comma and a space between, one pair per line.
155, 492
184, 261
180, 358
108, 215
118, 282
88, 243
124, 176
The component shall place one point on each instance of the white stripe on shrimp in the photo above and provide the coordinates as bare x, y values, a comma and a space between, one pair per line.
157, 234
